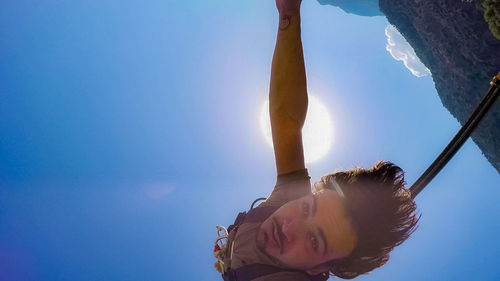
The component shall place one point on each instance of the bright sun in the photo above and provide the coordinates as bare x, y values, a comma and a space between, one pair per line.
317, 133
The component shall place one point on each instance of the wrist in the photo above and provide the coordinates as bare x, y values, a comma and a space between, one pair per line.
287, 19
289, 13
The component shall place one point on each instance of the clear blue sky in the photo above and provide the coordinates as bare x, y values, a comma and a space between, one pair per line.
130, 129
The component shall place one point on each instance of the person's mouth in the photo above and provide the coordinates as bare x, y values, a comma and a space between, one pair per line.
278, 235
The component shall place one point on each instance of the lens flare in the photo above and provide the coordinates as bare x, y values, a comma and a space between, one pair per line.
317, 134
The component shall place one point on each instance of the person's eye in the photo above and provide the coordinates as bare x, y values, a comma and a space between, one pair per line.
305, 209
314, 242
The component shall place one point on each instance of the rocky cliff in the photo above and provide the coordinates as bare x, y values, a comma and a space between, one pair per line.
358, 7
453, 40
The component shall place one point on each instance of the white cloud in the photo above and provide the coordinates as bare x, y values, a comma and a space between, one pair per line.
158, 190
400, 50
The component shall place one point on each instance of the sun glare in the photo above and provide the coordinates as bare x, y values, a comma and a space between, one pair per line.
317, 133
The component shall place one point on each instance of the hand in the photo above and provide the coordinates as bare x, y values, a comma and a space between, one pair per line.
288, 7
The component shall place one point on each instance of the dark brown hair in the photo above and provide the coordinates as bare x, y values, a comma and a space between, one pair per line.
381, 210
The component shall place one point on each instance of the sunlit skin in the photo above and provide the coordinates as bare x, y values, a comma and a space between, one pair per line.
308, 232
311, 231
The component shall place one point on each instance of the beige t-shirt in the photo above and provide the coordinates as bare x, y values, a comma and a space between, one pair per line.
288, 187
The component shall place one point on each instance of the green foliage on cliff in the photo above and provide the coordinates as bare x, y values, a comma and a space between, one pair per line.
491, 10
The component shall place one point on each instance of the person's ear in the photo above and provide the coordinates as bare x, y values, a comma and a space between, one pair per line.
322, 268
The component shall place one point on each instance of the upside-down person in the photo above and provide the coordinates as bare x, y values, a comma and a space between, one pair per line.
345, 225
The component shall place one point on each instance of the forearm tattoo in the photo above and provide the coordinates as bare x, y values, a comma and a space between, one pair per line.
284, 22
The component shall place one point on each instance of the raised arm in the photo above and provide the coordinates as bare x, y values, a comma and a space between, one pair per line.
288, 90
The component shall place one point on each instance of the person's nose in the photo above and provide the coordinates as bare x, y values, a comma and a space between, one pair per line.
290, 229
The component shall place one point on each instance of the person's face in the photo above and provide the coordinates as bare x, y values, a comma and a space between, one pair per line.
308, 232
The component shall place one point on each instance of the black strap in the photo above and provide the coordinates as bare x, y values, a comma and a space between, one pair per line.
253, 271
258, 214
257, 200
237, 222
249, 272
459, 138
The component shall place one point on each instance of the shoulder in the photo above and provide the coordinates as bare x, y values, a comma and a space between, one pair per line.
289, 186
298, 175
